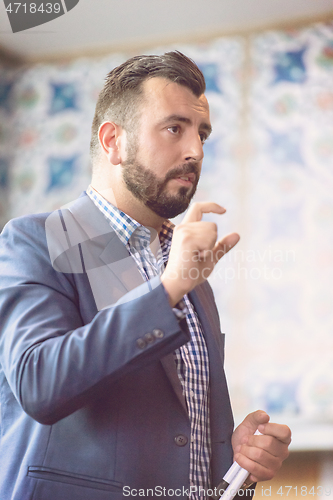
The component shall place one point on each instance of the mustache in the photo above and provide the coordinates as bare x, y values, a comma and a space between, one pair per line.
187, 168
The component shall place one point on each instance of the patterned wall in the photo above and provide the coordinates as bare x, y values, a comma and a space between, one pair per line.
269, 161
290, 205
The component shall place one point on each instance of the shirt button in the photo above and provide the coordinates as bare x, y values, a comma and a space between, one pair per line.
192, 394
181, 440
159, 334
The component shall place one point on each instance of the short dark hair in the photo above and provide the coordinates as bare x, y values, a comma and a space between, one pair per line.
118, 100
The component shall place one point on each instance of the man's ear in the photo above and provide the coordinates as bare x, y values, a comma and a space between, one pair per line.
109, 136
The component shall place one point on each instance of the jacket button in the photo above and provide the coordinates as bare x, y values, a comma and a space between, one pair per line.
159, 334
141, 343
181, 440
149, 338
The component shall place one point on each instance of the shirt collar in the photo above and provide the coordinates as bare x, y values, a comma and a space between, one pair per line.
121, 223
124, 225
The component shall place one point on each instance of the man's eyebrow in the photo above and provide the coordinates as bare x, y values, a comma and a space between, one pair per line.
179, 118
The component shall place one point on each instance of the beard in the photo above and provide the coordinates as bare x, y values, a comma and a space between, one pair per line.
148, 188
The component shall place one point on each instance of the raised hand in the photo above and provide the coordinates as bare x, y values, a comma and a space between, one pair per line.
194, 251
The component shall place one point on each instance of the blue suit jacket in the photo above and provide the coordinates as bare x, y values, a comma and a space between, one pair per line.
86, 409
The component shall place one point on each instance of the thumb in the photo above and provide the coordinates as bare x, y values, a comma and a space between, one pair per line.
253, 420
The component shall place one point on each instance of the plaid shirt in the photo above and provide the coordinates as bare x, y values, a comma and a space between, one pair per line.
192, 358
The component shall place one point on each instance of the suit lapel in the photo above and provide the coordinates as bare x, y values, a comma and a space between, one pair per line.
203, 302
169, 365
204, 307
122, 265
221, 418
106, 259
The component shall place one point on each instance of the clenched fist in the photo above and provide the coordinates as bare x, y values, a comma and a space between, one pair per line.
261, 455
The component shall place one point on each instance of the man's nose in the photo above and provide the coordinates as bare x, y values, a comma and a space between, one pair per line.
194, 148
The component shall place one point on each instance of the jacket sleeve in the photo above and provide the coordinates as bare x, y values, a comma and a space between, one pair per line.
54, 363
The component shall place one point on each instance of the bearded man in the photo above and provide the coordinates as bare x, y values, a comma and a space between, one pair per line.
112, 381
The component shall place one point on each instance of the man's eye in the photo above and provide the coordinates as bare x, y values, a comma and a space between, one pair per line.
174, 130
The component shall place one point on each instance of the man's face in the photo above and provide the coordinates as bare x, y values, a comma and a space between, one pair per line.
164, 149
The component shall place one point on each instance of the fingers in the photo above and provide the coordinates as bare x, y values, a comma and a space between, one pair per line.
224, 245
247, 428
262, 465
262, 455
281, 432
195, 212
271, 444
194, 251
